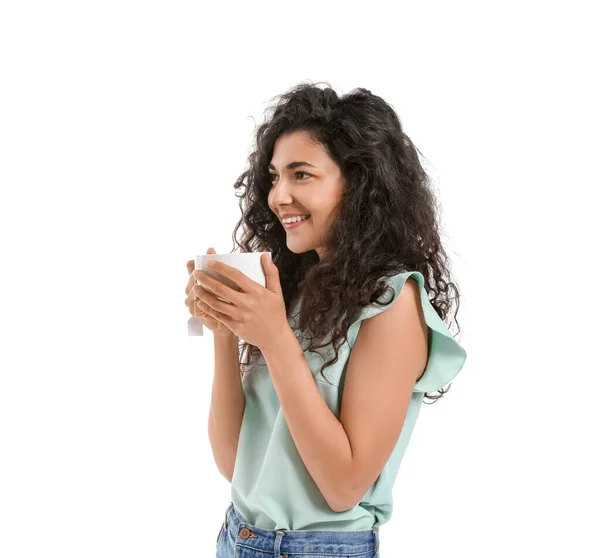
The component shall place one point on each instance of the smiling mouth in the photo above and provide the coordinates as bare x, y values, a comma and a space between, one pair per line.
296, 224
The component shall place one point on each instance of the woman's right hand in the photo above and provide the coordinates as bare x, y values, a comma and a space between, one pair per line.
192, 300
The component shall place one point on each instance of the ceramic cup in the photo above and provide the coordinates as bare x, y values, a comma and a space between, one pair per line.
249, 263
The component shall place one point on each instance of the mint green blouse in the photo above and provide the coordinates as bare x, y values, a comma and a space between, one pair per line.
271, 487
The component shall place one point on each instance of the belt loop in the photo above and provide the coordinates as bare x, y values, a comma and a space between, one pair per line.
376, 533
277, 547
226, 514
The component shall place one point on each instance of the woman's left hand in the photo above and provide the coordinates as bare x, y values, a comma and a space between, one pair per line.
256, 314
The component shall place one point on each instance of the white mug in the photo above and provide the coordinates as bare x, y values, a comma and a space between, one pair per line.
249, 263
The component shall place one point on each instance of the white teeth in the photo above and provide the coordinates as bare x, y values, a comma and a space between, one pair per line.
295, 219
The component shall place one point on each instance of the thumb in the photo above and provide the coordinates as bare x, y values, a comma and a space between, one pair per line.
271, 273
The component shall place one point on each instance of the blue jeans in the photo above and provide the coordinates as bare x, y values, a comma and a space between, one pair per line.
238, 539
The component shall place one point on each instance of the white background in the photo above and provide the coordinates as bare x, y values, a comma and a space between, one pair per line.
123, 126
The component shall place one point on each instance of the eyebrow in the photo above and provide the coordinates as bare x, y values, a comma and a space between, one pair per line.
293, 165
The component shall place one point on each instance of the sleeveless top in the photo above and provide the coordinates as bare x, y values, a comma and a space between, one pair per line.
271, 487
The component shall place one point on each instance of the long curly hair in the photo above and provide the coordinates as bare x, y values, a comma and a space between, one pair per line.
388, 211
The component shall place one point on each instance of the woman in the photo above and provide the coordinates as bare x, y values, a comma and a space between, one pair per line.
315, 457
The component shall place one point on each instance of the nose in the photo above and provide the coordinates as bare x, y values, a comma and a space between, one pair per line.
279, 194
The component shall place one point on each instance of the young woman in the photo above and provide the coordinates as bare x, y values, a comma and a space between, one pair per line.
358, 286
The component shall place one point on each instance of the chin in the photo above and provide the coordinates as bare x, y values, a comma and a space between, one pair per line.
300, 249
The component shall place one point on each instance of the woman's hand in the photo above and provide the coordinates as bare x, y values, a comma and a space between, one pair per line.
192, 302
256, 314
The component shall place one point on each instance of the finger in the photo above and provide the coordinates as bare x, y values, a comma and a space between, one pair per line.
218, 288
194, 292
245, 284
212, 303
191, 282
191, 264
201, 307
214, 314
198, 309
191, 299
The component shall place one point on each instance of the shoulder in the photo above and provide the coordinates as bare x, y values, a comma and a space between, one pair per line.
409, 329
405, 308
400, 329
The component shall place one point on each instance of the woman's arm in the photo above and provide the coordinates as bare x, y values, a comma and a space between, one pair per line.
317, 433
227, 404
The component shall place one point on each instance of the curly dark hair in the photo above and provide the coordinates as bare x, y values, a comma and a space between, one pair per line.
384, 183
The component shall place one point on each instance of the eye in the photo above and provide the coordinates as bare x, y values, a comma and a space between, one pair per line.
297, 172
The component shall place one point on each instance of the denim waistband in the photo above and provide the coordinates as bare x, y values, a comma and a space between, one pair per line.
287, 541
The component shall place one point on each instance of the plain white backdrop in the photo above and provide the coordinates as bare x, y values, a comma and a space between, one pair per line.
123, 126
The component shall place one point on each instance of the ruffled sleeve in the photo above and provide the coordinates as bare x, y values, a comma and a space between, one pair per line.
446, 356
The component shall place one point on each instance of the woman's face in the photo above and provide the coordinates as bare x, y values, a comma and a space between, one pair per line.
312, 188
